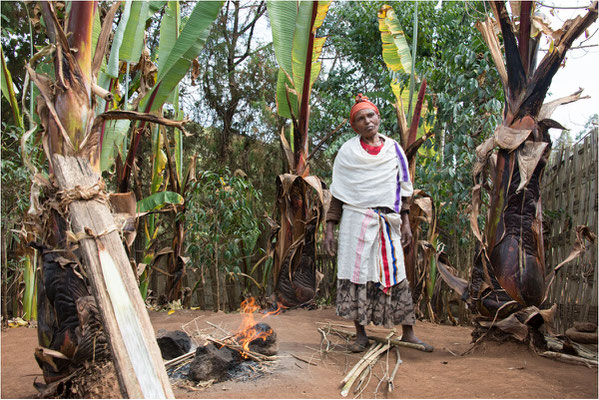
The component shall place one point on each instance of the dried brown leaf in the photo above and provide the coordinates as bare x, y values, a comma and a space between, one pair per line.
548, 108
509, 138
287, 150
582, 233
528, 159
488, 29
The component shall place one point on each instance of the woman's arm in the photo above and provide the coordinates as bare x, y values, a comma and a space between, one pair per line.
332, 218
406, 231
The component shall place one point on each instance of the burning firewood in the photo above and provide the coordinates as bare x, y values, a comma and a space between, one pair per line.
242, 351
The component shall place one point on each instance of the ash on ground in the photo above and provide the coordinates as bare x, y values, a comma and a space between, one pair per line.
245, 371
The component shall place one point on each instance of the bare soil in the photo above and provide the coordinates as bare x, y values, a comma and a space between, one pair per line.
491, 370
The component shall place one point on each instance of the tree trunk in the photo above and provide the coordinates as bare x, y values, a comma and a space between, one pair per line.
124, 316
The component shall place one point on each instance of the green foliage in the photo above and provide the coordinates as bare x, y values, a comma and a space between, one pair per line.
19, 261
16, 178
158, 200
463, 85
222, 222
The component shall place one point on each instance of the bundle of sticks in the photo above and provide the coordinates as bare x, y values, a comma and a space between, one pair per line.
363, 368
362, 371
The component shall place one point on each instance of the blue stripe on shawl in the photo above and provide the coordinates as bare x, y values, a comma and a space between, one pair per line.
392, 252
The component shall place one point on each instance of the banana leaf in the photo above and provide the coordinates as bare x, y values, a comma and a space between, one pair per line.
178, 60
8, 90
291, 26
158, 200
134, 33
398, 58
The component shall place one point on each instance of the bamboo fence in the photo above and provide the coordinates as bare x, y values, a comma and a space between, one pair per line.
570, 199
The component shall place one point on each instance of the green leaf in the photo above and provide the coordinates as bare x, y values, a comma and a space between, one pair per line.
158, 200
300, 47
169, 32
282, 15
179, 153
112, 69
159, 159
96, 32
187, 47
115, 133
8, 90
291, 26
132, 46
396, 53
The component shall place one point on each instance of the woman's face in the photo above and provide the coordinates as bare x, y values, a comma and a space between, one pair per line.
367, 123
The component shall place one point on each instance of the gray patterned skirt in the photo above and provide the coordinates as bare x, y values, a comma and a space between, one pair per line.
367, 303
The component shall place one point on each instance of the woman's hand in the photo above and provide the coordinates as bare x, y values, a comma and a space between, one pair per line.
330, 244
406, 231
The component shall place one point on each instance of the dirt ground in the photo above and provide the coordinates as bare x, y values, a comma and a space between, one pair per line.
492, 370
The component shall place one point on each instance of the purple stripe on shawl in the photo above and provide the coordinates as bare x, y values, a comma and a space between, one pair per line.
360, 248
404, 175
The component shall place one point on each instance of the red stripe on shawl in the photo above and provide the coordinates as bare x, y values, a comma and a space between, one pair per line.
385, 262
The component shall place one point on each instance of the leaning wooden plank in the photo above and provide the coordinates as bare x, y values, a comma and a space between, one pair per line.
135, 352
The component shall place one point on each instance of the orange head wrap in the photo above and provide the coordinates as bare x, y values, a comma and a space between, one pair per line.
362, 103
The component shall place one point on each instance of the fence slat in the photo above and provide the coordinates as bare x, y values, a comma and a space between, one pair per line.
569, 200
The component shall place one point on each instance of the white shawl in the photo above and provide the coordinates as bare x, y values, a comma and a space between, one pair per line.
364, 180
369, 241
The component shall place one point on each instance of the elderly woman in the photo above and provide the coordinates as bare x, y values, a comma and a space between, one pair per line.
370, 185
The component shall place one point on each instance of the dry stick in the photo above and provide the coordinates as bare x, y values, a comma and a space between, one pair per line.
370, 361
302, 359
569, 358
362, 378
177, 359
395, 342
227, 333
390, 385
372, 349
324, 339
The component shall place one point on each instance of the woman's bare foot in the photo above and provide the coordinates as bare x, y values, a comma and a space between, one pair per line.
361, 342
409, 336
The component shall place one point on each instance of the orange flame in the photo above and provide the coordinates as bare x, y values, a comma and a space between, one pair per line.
247, 332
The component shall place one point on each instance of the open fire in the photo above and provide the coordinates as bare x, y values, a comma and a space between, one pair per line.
238, 355
252, 336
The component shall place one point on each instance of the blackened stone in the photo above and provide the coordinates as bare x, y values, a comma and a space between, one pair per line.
268, 345
210, 363
173, 343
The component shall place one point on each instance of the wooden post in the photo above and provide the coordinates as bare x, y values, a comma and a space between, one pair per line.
135, 352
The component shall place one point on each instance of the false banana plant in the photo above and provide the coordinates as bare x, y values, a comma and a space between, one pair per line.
509, 267
300, 197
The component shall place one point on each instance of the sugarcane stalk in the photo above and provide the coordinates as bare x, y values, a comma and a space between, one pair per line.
395, 342
372, 349
367, 362
390, 385
362, 379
